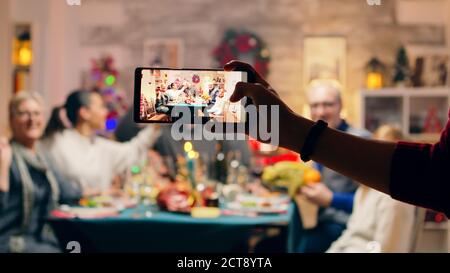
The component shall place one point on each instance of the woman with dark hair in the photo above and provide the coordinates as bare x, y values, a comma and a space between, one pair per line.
84, 157
29, 185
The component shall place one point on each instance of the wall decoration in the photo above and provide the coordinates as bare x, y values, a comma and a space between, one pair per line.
430, 65
244, 46
163, 53
324, 58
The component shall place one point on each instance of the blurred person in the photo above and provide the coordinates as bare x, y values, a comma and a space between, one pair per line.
30, 186
85, 157
378, 222
335, 194
218, 108
213, 93
161, 101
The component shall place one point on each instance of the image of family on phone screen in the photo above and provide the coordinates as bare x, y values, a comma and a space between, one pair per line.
205, 93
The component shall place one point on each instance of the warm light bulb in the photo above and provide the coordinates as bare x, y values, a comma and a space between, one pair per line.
188, 147
374, 80
25, 55
191, 154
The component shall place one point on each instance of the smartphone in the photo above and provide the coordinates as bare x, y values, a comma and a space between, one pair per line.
166, 95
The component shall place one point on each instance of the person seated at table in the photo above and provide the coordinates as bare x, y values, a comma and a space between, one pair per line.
378, 222
173, 93
218, 107
30, 186
188, 89
161, 101
335, 194
213, 93
84, 157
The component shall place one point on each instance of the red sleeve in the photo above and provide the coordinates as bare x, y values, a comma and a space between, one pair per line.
420, 173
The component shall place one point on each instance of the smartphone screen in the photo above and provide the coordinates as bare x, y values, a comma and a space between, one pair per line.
161, 94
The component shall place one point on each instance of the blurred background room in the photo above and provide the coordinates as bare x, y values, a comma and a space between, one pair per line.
358, 64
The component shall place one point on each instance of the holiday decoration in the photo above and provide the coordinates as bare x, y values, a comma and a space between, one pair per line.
432, 121
402, 72
243, 45
104, 76
196, 79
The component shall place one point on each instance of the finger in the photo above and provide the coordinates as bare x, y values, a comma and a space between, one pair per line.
306, 190
253, 76
244, 89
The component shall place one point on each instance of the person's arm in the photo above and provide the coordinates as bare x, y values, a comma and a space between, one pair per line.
411, 172
4, 179
343, 201
363, 160
5, 164
420, 173
320, 194
4, 187
123, 155
366, 161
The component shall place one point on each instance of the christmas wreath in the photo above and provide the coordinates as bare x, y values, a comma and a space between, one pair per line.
237, 44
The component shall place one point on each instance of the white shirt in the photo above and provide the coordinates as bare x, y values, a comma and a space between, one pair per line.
378, 224
93, 162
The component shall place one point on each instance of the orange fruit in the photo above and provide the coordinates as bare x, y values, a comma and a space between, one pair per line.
312, 176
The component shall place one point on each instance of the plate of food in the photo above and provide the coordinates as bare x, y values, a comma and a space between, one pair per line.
107, 201
84, 212
259, 204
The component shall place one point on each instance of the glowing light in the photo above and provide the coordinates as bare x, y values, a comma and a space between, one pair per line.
265, 53
22, 54
111, 124
25, 56
110, 80
188, 146
191, 154
374, 80
135, 170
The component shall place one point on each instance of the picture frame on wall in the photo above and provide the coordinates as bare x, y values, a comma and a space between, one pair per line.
429, 64
324, 58
163, 52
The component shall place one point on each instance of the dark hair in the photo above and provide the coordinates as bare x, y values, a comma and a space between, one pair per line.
74, 102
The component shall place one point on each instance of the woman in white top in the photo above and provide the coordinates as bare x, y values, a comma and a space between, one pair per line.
218, 107
173, 93
81, 155
378, 222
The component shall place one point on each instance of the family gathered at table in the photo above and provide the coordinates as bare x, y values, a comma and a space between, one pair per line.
48, 170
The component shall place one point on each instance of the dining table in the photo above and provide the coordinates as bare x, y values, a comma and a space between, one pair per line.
146, 228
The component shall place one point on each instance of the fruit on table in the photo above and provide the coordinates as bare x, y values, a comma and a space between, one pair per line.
87, 202
312, 176
290, 175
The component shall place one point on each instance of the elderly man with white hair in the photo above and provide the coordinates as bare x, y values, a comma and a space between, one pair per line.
335, 194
